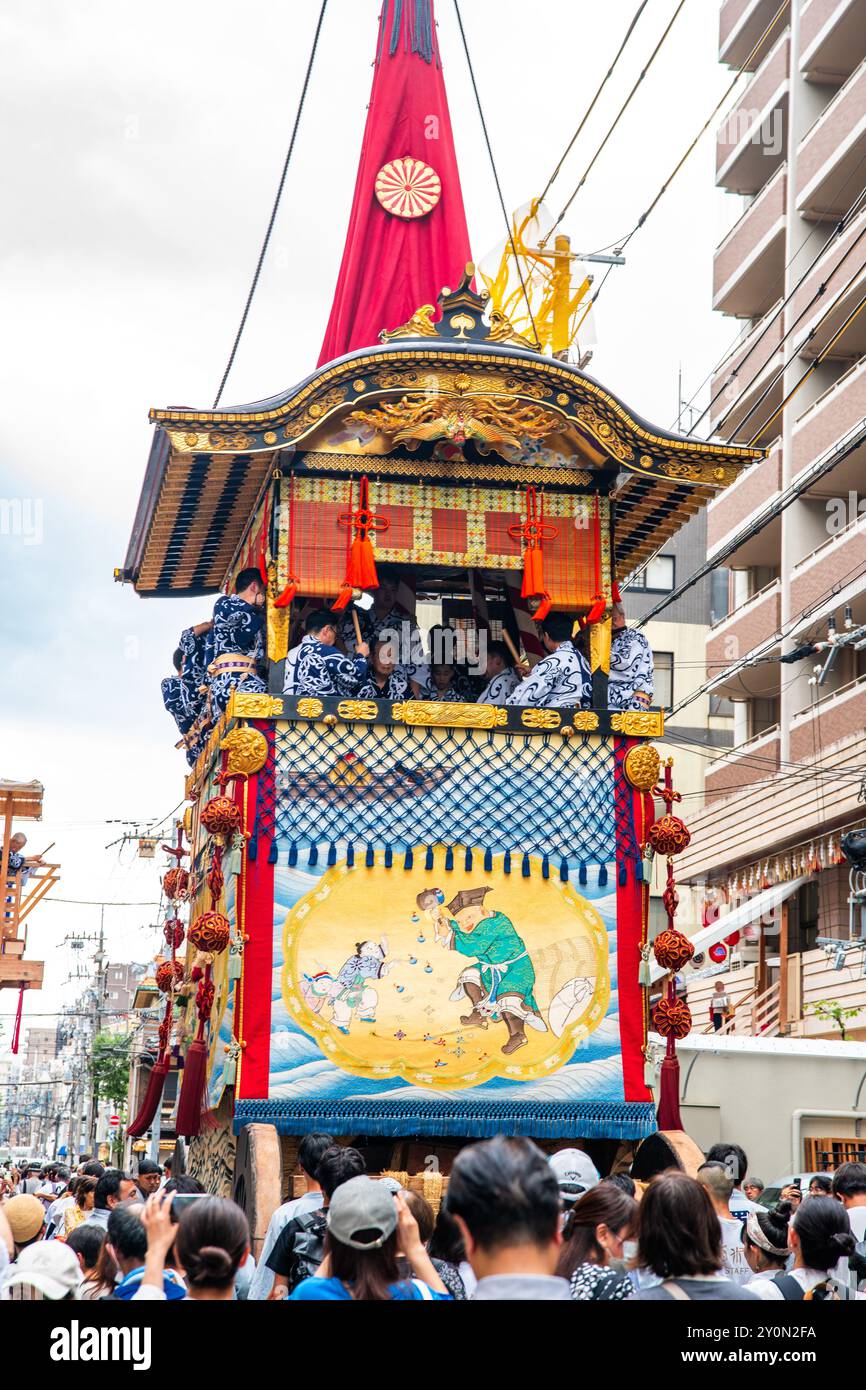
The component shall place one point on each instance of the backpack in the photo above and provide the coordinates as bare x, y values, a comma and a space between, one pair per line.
830, 1291
790, 1288
308, 1246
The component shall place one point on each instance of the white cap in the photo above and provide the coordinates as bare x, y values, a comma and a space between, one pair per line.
575, 1172
50, 1266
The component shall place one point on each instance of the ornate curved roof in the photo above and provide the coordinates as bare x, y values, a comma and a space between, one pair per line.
508, 413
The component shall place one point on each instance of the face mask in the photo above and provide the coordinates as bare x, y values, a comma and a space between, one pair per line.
629, 1251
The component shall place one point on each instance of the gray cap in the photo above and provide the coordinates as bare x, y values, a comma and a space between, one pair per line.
392, 1185
362, 1204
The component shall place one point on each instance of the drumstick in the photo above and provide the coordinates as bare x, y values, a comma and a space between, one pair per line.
45, 851
510, 645
358, 638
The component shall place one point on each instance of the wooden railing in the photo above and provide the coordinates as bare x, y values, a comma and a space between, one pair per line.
754, 1015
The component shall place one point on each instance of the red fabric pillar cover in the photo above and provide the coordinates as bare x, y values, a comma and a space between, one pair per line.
255, 916
630, 908
391, 264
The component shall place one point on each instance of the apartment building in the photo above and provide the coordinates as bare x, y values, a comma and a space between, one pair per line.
792, 272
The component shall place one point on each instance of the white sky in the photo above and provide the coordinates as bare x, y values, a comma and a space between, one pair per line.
142, 147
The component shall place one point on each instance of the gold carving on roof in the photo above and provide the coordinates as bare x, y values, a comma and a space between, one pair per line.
488, 419
502, 330
606, 435
420, 325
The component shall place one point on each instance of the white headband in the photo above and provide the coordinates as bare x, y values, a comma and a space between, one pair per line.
757, 1237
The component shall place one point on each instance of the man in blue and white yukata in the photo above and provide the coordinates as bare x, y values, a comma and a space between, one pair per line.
385, 680
317, 667
630, 683
184, 693
500, 675
237, 641
560, 678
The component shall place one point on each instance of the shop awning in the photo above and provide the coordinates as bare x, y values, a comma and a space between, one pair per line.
743, 916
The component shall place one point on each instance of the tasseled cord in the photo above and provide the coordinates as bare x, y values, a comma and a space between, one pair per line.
152, 1097
192, 1091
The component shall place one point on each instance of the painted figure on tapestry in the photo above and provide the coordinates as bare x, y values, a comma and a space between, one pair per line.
431, 903
501, 982
349, 993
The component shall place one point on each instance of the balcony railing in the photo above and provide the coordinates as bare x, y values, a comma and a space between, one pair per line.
742, 608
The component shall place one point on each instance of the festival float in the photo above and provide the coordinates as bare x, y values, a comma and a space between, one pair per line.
339, 849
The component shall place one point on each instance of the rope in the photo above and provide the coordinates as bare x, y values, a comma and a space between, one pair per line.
274, 209
507, 219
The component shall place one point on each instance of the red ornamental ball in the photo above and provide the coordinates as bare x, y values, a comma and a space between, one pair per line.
210, 932
672, 1018
221, 816
175, 884
168, 974
672, 950
718, 953
173, 932
668, 835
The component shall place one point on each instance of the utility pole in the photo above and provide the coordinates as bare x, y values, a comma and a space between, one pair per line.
99, 976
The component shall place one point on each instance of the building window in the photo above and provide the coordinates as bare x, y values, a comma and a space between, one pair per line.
664, 679
657, 577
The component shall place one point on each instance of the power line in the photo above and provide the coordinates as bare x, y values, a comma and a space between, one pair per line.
508, 228
818, 294
837, 454
611, 128
816, 361
683, 159
273, 217
589, 110
841, 226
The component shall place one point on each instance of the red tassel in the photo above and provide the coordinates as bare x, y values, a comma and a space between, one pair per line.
543, 609
192, 1092
152, 1097
534, 531
285, 598
615, 593
669, 1094
360, 560
596, 612
16, 1030
361, 569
